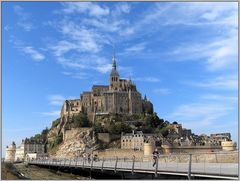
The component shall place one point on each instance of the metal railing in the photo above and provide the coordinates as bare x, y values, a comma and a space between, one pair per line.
219, 164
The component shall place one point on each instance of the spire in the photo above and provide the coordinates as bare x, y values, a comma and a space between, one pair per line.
114, 65
145, 97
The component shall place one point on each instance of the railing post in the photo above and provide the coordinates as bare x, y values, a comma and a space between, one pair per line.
64, 162
115, 169
76, 162
190, 167
102, 163
83, 163
92, 163
70, 162
133, 164
156, 168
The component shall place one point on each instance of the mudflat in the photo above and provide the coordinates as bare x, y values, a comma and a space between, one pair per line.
21, 171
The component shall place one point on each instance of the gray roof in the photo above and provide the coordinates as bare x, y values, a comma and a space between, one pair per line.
114, 72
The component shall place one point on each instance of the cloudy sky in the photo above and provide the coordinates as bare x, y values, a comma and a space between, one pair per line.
183, 56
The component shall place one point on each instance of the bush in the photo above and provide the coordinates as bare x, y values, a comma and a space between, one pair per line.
98, 128
102, 145
55, 123
118, 127
80, 120
58, 140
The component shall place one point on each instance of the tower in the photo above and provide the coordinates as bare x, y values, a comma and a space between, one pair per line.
114, 76
10, 152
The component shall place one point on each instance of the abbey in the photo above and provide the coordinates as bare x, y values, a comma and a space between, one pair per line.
119, 97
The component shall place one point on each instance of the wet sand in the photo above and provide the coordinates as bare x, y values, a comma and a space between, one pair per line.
22, 171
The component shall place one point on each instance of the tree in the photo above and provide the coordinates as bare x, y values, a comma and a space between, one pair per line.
175, 122
44, 134
80, 120
118, 127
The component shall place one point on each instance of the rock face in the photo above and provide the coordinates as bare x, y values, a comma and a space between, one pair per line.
52, 134
76, 141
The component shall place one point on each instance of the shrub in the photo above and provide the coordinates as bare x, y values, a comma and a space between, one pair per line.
55, 123
58, 140
80, 120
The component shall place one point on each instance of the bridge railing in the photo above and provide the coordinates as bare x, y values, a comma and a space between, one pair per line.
221, 163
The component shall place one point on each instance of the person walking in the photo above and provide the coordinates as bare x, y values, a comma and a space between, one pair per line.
89, 157
155, 156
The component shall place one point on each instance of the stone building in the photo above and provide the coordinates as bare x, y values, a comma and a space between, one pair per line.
220, 137
119, 97
27, 146
135, 140
10, 152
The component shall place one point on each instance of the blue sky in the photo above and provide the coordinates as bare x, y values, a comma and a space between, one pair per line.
183, 56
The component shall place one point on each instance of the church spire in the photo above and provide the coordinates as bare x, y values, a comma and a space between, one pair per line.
114, 65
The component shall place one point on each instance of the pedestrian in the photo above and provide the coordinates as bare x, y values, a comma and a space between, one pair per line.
89, 157
155, 156
84, 157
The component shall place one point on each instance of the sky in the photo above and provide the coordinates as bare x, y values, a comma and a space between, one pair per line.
183, 56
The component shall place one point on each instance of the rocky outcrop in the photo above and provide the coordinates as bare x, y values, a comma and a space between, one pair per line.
76, 142
53, 132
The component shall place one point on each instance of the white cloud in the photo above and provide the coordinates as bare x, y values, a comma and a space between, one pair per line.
85, 39
207, 114
204, 114
162, 91
7, 28
123, 7
63, 47
56, 99
221, 98
78, 38
219, 54
107, 24
104, 68
221, 82
147, 79
50, 113
78, 75
35, 55
24, 18
92, 9
136, 48
91, 62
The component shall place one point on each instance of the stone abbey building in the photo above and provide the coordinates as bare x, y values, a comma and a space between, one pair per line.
119, 97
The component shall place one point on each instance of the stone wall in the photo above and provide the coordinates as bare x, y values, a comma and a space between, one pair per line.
110, 153
218, 157
189, 149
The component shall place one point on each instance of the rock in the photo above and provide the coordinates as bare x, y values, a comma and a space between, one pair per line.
75, 142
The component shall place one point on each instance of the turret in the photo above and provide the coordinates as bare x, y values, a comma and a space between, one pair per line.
10, 152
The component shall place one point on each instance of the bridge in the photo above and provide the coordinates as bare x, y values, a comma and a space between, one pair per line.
184, 165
